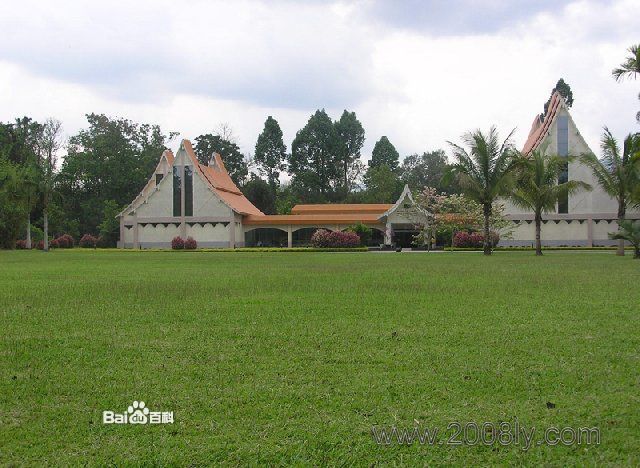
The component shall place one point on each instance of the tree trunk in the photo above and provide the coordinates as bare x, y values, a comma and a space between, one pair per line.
621, 215
29, 231
636, 253
45, 220
487, 241
538, 227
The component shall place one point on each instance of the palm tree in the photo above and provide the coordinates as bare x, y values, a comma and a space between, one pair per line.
538, 188
629, 68
629, 230
617, 173
484, 172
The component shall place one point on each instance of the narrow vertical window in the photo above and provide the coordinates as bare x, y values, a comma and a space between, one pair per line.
188, 191
159, 179
177, 191
563, 151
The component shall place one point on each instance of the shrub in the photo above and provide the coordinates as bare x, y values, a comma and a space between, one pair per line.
65, 241
190, 243
364, 232
88, 242
327, 239
40, 245
21, 244
474, 239
177, 243
53, 244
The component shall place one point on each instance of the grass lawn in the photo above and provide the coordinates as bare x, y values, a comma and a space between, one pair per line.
292, 358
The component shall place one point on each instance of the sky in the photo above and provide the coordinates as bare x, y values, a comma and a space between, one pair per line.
420, 72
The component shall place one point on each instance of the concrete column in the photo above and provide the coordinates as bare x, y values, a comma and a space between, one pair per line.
289, 236
121, 232
590, 232
183, 224
136, 243
387, 234
232, 231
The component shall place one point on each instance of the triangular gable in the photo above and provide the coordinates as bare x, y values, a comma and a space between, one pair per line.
406, 193
166, 157
217, 179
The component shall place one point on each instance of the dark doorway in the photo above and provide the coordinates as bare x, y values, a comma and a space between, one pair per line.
265, 237
404, 237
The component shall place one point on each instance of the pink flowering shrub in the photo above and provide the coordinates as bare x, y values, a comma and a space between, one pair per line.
177, 243
190, 243
332, 239
88, 241
65, 241
474, 239
21, 244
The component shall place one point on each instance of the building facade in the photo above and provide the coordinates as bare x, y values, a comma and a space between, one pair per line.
582, 219
188, 199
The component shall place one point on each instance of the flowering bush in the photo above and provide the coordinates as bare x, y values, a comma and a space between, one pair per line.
190, 243
331, 239
40, 245
88, 242
474, 239
21, 244
177, 243
65, 241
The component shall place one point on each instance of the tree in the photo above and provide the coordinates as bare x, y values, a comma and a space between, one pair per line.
629, 230
425, 170
110, 160
13, 208
538, 188
234, 161
630, 68
271, 152
49, 143
384, 153
350, 134
617, 171
484, 172
314, 163
261, 194
565, 91
382, 185
109, 228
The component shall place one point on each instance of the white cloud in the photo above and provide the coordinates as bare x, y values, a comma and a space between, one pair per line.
189, 66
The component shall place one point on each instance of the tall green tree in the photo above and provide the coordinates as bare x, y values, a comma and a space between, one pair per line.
234, 161
630, 68
617, 172
537, 187
383, 185
384, 153
484, 171
565, 91
425, 170
271, 152
13, 209
49, 143
261, 194
314, 163
112, 159
350, 134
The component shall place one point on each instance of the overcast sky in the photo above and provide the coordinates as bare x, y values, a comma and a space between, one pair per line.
420, 72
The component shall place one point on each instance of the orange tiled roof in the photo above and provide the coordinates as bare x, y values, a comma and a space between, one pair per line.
539, 128
169, 155
220, 182
377, 208
313, 219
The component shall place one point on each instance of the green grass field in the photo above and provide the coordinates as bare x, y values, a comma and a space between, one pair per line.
292, 358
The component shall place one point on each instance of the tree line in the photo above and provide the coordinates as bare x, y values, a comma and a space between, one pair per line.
106, 164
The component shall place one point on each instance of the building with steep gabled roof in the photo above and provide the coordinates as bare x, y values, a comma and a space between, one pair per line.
188, 199
582, 219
